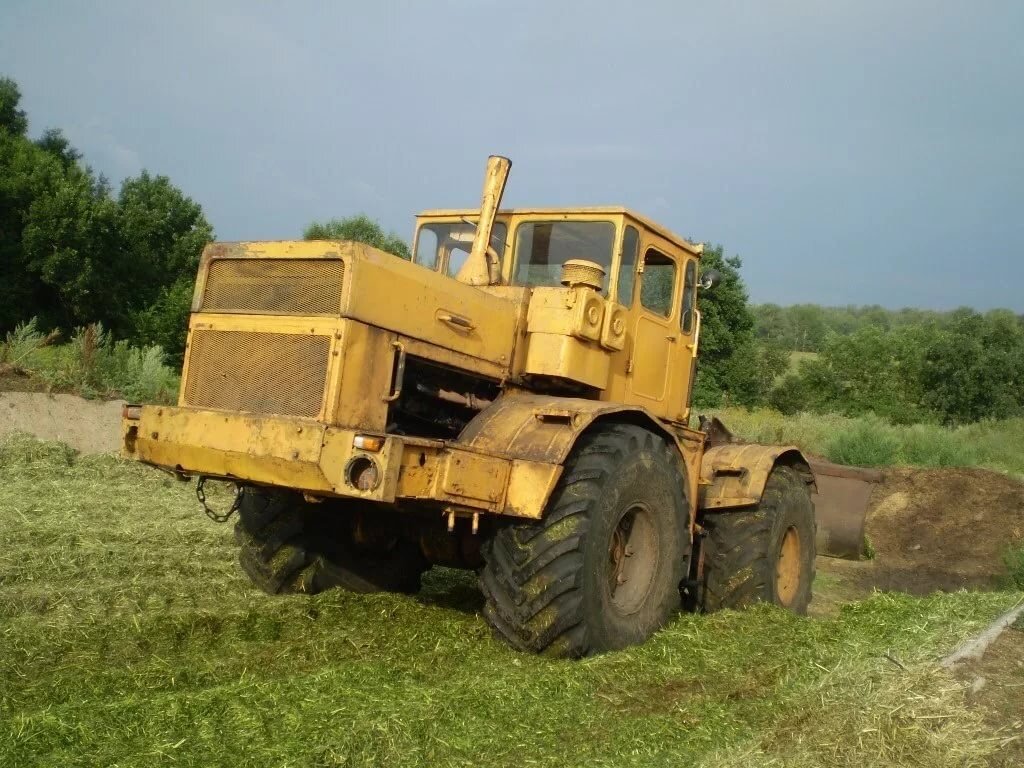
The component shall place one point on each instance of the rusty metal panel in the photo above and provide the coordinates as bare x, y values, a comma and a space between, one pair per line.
274, 286
840, 506
735, 474
270, 373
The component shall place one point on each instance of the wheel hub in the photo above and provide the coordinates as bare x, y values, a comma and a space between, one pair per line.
632, 559
787, 568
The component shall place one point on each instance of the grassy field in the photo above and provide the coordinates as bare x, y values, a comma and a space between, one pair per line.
130, 639
869, 441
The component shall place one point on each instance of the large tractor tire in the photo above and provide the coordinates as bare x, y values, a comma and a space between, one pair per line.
762, 554
602, 569
288, 545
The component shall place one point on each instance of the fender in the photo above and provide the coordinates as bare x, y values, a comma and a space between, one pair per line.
735, 474
544, 429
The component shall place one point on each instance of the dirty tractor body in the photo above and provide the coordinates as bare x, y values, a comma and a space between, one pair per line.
514, 400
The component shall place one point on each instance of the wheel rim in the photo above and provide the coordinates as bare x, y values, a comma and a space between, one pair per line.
632, 559
787, 569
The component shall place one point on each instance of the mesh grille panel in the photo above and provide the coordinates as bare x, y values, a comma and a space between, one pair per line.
280, 373
274, 286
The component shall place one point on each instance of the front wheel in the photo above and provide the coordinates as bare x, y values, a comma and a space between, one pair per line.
288, 545
765, 553
602, 569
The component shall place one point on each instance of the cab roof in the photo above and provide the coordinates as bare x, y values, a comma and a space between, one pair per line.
695, 248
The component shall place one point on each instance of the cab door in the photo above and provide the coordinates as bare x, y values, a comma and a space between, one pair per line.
685, 364
656, 332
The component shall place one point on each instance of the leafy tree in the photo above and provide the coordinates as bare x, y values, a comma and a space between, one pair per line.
967, 368
732, 367
360, 228
70, 247
56, 143
165, 322
163, 233
975, 369
12, 119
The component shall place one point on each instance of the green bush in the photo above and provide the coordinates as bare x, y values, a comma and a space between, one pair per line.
868, 443
965, 369
1014, 560
928, 445
92, 364
22, 344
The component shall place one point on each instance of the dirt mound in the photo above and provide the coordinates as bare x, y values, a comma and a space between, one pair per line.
936, 530
945, 528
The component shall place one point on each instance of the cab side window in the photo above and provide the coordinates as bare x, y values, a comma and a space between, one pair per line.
657, 282
689, 293
627, 267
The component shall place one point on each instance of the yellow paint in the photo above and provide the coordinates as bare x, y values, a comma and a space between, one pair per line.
735, 475
283, 415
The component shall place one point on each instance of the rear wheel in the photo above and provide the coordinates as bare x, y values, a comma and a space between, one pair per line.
602, 569
288, 545
762, 554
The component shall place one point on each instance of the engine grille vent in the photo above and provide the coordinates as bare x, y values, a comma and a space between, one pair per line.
274, 286
271, 373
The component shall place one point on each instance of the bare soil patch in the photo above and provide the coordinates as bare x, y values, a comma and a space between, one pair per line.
14, 381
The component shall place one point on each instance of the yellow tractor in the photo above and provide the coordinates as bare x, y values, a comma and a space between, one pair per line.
515, 400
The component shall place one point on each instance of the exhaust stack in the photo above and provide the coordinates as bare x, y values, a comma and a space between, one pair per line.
482, 268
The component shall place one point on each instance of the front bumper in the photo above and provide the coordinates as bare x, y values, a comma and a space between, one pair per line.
316, 458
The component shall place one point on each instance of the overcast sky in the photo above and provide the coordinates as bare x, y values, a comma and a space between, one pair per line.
849, 152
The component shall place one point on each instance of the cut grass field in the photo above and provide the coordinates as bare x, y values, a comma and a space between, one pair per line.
130, 638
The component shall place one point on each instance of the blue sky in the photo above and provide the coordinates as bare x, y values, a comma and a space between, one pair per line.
849, 152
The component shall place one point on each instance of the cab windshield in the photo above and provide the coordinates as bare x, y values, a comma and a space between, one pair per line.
543, 246
447, 244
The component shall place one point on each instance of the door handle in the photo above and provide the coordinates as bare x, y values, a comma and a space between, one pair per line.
396, 392
671, 338
458, 321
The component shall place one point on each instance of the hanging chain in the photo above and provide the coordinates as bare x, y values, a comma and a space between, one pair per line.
210, 513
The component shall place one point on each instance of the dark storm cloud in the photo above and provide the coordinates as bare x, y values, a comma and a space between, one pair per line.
850, 152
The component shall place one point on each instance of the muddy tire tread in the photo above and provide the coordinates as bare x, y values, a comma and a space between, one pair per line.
283, 551
737, 555
531, 581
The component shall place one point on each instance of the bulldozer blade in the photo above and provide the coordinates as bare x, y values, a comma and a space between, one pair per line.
841, 506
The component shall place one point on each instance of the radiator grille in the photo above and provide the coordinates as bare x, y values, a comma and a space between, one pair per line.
279, 373
274, 286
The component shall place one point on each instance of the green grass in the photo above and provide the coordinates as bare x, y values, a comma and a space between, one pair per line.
130, 638
91, 364
1013, 558
870, 441
795, 358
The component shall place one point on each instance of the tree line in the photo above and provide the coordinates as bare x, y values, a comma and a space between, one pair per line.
958, 368
808, 327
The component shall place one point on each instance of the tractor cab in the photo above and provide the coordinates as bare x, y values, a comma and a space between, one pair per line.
647, 277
